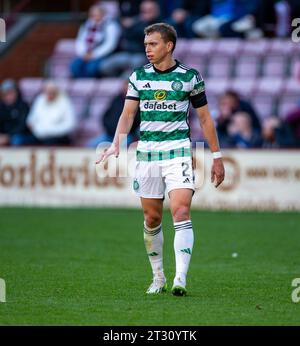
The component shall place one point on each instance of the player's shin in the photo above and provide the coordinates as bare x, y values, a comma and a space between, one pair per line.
183, 246
153, 238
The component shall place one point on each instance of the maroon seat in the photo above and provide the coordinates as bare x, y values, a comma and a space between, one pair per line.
181, 50
270, 86
243, 86
283, 47
216, 86
229, 47
30, 87
201, 47
220, 67
274, 66
247, 66
65, 48
258, 47
108, 86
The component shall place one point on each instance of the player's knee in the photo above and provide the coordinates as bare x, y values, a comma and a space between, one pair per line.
181, 213
152, 219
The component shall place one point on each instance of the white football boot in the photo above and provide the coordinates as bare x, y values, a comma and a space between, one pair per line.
158, 285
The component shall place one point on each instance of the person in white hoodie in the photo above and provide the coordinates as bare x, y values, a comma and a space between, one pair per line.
51, 118
98, 37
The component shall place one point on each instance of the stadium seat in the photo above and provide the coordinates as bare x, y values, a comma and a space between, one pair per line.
216, 86
108, 86
274, 66
294, 70
201, 47
228, 47
283, 47
270, 86
258, 47
59, 67
82, 87
30, 88
197, 62
292, 87
247, 66
220, 66
181, 50
243, 86
65, 48
80, 107
98, 106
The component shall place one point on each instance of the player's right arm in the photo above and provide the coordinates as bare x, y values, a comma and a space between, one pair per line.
126, 119
123, 128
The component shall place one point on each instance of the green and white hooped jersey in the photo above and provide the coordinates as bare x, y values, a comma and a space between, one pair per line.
164, 98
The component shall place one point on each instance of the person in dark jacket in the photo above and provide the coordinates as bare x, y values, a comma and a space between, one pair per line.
13, 115
229, 104
241, 132
277, 134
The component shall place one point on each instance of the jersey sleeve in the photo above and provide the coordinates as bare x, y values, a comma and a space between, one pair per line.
132, 91
197, 94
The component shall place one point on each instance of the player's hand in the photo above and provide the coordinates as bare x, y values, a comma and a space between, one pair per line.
112, 150
217, 172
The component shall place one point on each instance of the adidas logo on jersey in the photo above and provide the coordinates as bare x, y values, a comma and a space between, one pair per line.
147, 85
187, 180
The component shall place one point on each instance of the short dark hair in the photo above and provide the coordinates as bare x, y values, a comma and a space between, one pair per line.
168, 33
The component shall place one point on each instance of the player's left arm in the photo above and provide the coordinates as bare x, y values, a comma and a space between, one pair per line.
209, 130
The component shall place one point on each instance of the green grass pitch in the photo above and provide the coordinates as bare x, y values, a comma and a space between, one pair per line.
89, 267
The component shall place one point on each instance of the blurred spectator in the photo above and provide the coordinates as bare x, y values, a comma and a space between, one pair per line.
129, 8
293, 119
51, 118
276, 134
184, 13
241, 133
111, 118
229, 104
98, 37
132, 54
227, 18
13, 114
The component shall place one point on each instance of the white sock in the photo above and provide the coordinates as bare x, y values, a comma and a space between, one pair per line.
183, 246
154, 239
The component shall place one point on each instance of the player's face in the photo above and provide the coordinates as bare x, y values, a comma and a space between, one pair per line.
156, 48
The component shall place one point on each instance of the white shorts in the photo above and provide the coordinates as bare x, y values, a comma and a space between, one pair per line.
153, 178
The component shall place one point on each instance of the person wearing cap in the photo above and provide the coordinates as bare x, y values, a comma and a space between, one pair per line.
13, 114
